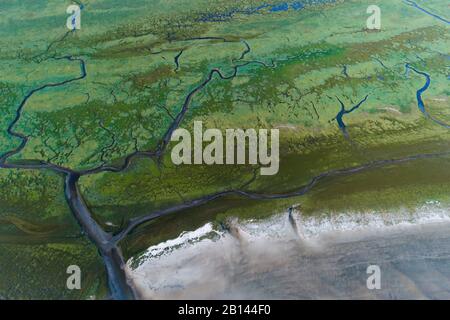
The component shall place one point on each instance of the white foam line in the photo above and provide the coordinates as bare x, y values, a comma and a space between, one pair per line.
309, 228
184, 239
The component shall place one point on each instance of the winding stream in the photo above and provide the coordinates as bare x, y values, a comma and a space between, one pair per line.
415, 5
106, 243
343, 112
420, 103
111, 254
19, 110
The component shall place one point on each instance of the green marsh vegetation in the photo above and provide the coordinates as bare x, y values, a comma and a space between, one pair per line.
299, 62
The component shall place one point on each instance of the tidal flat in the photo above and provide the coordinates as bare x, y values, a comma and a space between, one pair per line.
84, 116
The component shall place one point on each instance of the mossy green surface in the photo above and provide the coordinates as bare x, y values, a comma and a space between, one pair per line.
39, 240
294, 64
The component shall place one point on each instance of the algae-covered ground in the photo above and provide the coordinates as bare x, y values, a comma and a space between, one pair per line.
98, 102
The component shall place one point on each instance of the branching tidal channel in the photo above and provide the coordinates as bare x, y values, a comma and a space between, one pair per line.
108, 243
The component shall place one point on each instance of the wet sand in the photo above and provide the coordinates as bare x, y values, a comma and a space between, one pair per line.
293, 259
